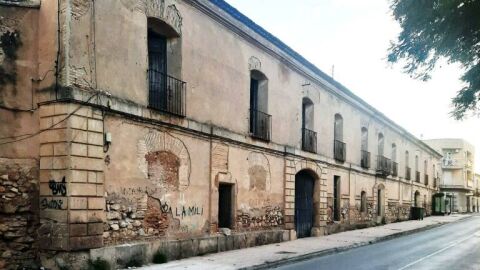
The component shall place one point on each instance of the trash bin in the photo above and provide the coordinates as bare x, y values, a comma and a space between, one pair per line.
417, 213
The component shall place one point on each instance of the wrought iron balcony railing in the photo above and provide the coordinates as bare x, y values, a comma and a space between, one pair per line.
417, 176
365, 159
166, 93
260, 125
394, 169
408, 173
384, 166
426, 179
309, 140
339, 150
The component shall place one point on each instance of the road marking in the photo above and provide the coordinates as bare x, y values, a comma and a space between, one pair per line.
436, 252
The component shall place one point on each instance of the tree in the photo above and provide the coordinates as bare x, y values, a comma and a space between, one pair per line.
436, 29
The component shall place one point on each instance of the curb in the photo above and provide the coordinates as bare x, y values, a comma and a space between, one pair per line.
303, 257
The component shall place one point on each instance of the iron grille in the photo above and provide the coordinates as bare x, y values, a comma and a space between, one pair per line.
339, 150
426, 179
260, 125
166, 93
309, 140
384, 166
394, 169
408, 173
365, 159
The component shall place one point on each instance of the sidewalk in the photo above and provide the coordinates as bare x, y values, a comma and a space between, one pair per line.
276, 254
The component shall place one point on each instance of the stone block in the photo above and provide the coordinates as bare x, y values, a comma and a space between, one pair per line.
62, 108
96, 216
79, 136
54, 135
46, 150
78, 203
95, 229
78, 122
239, 241
92, 177
289, 198
188, 248
79, 149
290, 185
55, 215
60, 149
82, 189
78, 229
86, 242
96, 203
100, 190
78, 216
57, 175
95, 151
95, 138
46, 123
95, 125
207, 245
46, 110
83, 163
79, 176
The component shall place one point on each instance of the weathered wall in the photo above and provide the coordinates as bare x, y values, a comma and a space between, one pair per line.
18, 212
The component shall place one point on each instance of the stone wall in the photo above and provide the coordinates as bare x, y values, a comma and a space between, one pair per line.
18, 212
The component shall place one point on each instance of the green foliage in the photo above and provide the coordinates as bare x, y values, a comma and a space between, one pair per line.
436, 29
98, 264
135, 261
159, 257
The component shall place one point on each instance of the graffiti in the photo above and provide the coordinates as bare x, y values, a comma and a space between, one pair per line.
139, 191
181, 211
51, 204
58, 188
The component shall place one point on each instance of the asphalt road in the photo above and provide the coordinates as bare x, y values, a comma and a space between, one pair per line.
453, 246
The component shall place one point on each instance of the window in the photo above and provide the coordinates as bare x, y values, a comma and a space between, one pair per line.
394, 160
339, 147
365, 155
381, 144
363, 202
260, 121
407, 166
166, 93
309, 136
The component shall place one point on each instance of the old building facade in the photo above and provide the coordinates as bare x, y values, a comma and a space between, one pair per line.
458, 177
127, 121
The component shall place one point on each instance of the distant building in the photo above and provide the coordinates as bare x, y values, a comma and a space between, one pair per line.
458, 179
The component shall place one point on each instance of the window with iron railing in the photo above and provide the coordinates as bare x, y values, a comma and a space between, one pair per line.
365, 159
417, 176
260, 125
384, 166
408, 173
166, 93
426, 179
309, 140
339, 150
394, 169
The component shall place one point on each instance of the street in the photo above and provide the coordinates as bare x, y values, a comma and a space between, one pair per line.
453, 246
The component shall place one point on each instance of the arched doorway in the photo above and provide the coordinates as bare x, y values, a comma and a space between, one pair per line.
304, 211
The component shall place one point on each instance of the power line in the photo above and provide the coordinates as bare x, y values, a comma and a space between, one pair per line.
28, 136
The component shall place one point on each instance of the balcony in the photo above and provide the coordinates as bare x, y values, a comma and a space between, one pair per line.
365, 159
426, 179
408, 173
309, 140
384, 166
260, 125
394, 169
166, 93
417, 176
339, 150
435, 182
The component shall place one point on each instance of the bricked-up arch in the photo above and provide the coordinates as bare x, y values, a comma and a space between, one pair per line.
292, 167
163, 169
156, 145
259, 171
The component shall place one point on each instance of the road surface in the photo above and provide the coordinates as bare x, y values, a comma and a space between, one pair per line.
452, 246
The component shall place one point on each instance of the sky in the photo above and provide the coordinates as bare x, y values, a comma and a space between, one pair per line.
354, 37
